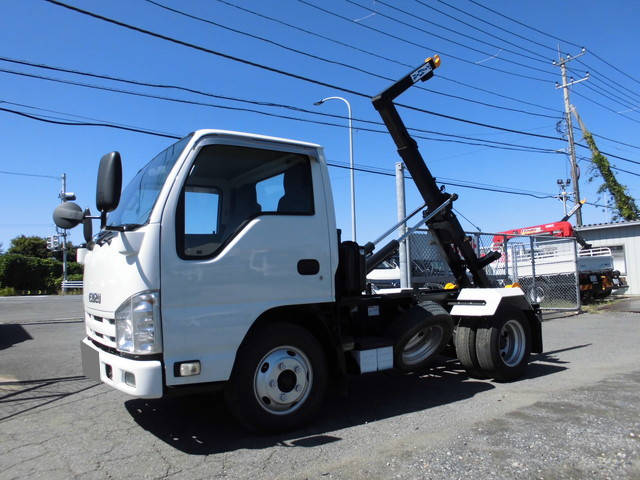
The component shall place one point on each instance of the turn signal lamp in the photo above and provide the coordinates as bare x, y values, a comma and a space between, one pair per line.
513, 285
450, 286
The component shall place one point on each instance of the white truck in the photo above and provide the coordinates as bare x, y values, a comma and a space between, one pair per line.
221, 267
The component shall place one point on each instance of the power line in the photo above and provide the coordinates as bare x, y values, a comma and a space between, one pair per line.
449, 183
614, 67
453, 138
409, 42
611, 139
294, 75
602, 88
381, 57
488, 143
335, 62
445, 38
203, 49
280, 71
22, 174
433, 24
495, 189
337, 165
521, 24
556, 38
84, 124
477, 28
606, 107
67, 114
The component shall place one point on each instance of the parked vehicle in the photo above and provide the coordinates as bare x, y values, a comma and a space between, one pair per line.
221, 267
553, 260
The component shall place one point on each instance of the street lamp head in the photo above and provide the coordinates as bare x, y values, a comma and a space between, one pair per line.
319, 102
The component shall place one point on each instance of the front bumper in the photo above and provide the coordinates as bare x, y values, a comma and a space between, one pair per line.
113, 369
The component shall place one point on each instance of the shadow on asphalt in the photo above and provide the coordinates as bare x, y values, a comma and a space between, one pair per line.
203, 425
11, 334
21, 396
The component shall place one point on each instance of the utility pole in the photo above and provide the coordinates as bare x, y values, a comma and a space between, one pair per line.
64, 197
562, 63
563, 184
403, 251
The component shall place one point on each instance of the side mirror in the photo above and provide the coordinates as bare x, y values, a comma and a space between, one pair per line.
68, 215
109, 182
87, 227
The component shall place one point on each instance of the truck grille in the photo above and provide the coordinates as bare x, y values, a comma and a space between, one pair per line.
101, 329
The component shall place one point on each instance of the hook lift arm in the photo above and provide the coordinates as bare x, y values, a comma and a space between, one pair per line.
444, 226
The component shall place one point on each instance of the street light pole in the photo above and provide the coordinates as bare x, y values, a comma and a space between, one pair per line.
353, 188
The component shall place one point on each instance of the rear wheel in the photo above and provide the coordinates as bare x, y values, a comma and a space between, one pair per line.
279, 380
419, 334
465, 343
503, 346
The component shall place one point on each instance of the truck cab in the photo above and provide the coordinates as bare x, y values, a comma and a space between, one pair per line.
241, 228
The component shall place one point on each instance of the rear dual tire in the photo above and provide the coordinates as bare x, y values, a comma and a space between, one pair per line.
497, 348
420, 334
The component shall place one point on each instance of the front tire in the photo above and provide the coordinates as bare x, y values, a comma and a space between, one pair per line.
503, 346
279, 379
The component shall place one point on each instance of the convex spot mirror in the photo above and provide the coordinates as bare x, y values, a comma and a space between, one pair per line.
68, 215
109, 182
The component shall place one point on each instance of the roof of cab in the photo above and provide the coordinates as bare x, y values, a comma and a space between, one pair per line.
229, 133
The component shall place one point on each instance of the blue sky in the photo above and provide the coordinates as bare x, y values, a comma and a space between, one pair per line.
39, 32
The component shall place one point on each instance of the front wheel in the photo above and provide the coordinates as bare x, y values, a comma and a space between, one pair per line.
279, 380
503, 346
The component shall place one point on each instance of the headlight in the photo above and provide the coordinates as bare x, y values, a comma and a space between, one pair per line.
138, 324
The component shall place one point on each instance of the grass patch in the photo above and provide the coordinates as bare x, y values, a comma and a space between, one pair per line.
595, 306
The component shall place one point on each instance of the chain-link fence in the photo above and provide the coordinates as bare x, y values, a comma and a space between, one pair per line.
545, 267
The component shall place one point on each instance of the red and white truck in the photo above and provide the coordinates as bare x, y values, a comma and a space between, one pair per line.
594, 266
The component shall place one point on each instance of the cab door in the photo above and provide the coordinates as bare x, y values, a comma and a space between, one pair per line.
245, 230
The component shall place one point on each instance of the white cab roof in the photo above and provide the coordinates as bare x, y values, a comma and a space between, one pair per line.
228, 133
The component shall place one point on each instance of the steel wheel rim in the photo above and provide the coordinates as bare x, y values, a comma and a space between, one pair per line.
422, 345
512, 343
282, 380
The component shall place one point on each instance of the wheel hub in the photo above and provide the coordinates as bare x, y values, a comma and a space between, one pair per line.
422, 345
282, 380
512, 343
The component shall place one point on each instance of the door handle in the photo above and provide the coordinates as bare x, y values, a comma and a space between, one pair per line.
308, 266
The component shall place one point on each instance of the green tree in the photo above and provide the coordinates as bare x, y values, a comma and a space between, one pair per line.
31, 246
625, 205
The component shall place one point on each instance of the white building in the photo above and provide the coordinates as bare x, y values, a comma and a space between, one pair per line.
623, 238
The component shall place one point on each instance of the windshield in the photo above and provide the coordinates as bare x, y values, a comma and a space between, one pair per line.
139, 196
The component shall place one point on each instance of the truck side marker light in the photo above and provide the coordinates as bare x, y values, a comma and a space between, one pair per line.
187, 369
450, 286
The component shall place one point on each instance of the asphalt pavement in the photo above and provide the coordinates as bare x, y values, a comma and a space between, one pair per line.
574, 415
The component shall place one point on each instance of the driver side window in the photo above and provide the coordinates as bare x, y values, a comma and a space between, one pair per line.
230, 185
